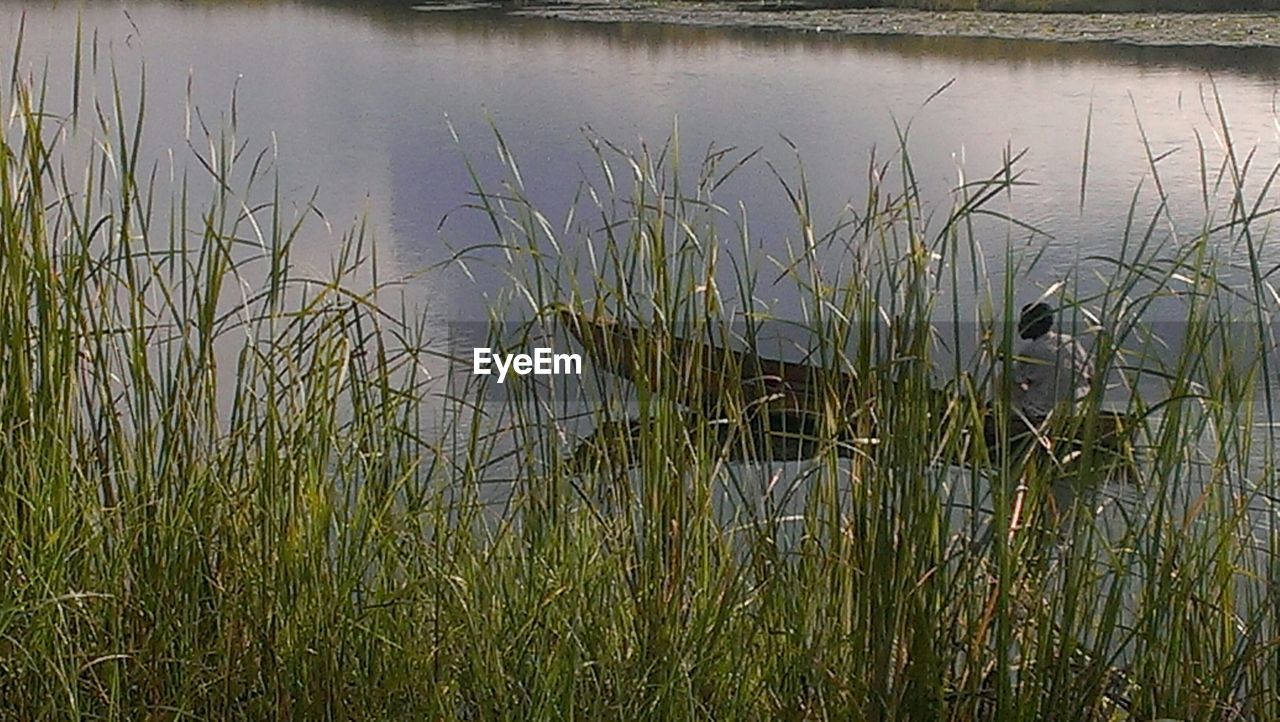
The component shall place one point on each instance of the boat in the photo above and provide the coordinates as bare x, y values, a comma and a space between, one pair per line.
769, 409
706, 377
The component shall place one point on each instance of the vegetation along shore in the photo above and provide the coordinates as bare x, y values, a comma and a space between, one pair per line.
1230, 29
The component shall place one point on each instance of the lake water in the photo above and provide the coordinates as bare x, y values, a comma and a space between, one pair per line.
359, 99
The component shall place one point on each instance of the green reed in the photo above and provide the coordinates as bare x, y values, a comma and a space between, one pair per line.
222, 497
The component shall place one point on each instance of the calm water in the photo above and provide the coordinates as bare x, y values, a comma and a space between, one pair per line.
358, 97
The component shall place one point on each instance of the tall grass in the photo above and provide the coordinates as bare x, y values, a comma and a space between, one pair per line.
220, 499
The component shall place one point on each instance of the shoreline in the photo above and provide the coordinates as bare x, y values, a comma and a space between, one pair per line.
1234, 30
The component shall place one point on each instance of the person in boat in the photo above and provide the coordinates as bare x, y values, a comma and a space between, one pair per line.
1050, 369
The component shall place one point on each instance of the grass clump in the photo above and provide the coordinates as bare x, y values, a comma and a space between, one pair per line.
221, 497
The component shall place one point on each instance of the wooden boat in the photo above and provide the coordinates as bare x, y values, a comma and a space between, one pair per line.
768, 409
703, 376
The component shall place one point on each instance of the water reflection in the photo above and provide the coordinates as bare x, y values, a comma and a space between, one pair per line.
357, 96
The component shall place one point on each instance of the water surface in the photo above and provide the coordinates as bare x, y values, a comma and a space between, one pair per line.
359, 98
361, 102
